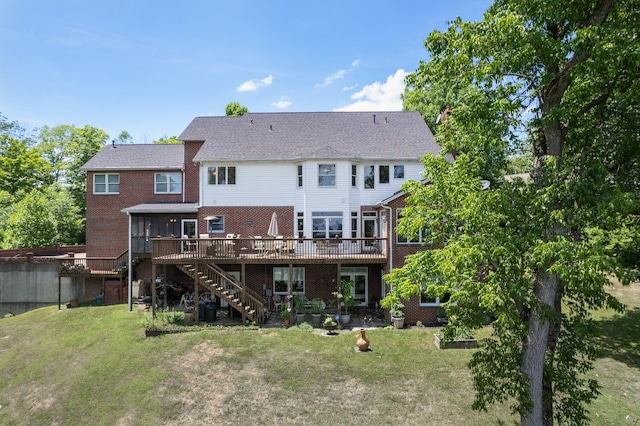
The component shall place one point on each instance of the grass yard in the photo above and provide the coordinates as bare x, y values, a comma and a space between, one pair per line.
94, 366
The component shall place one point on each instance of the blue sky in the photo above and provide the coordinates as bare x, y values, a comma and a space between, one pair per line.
150, 67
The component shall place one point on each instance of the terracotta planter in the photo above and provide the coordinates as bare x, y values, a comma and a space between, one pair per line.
362, 343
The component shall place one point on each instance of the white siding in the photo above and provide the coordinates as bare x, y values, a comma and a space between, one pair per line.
276, 184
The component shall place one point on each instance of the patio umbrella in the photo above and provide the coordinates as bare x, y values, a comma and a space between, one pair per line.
273, 226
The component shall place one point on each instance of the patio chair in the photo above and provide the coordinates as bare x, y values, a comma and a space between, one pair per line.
277, 301
289, 245
258, 245
272, 246
188, 246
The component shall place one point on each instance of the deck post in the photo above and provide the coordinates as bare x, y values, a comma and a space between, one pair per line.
196, 298
153, 289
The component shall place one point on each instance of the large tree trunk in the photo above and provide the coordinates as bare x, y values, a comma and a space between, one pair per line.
552, 342
534, 347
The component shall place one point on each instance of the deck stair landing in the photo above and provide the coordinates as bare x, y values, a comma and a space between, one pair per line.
248, 303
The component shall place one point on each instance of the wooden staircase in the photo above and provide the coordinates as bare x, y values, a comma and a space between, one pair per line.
247, 302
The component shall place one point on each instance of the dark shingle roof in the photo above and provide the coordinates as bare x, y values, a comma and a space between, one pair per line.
137, 157
305, 135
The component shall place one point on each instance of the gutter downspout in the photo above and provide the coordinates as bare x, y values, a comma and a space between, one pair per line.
184, 184
129, 270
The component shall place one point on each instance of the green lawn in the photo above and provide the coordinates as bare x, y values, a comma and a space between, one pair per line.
93, 365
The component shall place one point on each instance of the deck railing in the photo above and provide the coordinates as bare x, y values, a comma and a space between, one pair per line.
269, 249
93, 265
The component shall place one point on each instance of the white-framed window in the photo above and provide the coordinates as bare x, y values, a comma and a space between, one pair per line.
326, 175
354, 224
168, 183
300, 224
428, 300
383, 174
398, 172
354, 175
221, 175
300, 176
215, 224
281, 280
106, 183
369, 177
422, 237
327, 224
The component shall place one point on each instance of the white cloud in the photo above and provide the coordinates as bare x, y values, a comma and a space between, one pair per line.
253, 85
349, 88
282, 103
329, 80
379, 96
338, 75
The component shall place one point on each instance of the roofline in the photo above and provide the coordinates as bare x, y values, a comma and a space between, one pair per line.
397, 195
102, 169
166, 208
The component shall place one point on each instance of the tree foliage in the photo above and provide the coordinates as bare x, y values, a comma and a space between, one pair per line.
168, 140
559, 78
42, 186
235, 109
43, 217
21, 167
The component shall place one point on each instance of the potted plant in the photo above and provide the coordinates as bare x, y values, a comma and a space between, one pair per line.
317, 308
285, 313
345, 298
330, 325
397, 315
299, 303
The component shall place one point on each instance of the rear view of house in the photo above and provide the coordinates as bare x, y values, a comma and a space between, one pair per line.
261, 206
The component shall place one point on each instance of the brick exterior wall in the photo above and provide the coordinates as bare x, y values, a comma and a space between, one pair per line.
107, 225
191, 170
249, 221
412, 309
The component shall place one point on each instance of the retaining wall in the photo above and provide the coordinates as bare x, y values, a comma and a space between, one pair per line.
29, 285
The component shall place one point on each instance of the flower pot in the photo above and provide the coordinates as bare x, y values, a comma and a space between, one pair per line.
398, 323
345, 318
315, 319
330, 328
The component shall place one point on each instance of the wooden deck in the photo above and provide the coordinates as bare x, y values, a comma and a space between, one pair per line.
268, 250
